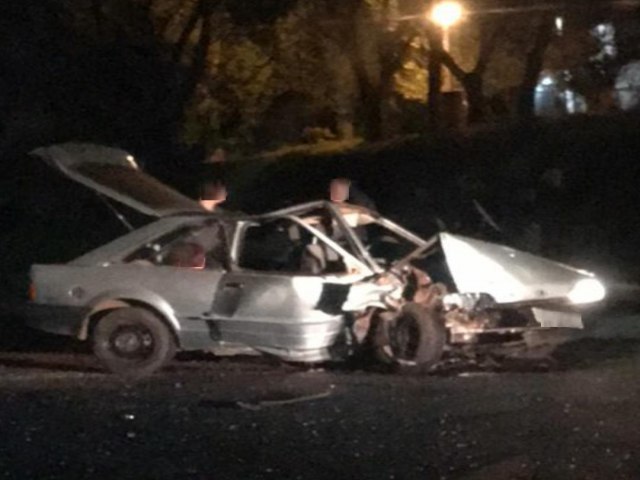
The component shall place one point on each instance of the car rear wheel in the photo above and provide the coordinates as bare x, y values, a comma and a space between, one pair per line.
414, 339
133, 342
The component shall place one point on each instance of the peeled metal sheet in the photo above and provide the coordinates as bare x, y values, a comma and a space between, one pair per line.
507, 274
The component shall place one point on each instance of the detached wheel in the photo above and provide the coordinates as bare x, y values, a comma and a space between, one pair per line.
414, 339
133, 342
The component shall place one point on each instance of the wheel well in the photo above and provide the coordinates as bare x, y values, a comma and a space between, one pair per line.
103, 308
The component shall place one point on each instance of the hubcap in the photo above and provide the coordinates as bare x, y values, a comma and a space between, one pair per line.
131, 342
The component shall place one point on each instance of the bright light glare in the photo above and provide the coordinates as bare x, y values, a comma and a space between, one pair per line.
446, 14
308, 289
546, 81
587, 290
132, 161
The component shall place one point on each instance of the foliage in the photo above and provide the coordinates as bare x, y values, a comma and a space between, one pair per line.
256, 74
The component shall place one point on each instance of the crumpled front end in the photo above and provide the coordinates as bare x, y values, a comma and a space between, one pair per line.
501, 292
510, 276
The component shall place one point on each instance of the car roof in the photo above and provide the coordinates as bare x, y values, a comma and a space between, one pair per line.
153, 230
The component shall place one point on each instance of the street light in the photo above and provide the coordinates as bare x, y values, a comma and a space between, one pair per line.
445, 14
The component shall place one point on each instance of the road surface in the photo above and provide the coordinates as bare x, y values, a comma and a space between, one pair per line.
61, 417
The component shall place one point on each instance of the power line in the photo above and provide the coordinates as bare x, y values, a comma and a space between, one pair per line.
546, 7
556, 7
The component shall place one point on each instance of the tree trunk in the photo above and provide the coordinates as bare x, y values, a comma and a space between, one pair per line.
371, 114
345, 128
389, 126
378, 108
201, 50
195, 16
434, 97
375, 97
533, 67
473, 84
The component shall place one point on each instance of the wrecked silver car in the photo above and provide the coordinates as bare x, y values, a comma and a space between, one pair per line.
309, 283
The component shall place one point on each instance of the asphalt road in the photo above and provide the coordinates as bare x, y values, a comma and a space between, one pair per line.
61, 417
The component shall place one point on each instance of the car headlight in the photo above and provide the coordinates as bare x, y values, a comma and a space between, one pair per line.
587, 290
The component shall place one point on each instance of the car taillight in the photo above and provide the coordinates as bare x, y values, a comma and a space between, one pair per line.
31, 293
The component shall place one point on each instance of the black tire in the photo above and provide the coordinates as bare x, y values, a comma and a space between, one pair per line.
413, 340
133, 342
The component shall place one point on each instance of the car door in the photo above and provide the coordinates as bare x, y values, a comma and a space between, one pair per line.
174, 264
266, 301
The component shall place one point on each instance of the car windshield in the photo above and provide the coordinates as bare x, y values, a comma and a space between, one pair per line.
386, 242
383, 244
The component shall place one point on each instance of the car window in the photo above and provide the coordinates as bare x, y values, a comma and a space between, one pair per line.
282, 245
384, 245
195, 246
324, 221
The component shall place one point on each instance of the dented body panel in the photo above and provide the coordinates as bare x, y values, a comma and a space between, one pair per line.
507, 274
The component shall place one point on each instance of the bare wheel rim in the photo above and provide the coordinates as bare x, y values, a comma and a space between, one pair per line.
132, 342
404, 339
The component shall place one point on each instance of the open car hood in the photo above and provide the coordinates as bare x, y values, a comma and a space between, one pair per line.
509, 275
115, 174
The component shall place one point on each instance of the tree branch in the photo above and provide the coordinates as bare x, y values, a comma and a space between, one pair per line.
394, 61
448, 61
488, 44
201, 50
192, 22
533, 66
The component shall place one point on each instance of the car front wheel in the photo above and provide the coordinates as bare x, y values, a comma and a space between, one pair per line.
414, 339
133, 342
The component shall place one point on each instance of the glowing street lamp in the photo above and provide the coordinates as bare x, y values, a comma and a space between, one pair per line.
445, 14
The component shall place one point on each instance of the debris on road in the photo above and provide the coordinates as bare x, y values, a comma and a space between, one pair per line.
287, 401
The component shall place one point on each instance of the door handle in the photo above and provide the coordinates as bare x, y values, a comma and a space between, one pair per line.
236, 285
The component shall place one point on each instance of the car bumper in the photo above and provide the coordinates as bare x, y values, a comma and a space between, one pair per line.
59, 320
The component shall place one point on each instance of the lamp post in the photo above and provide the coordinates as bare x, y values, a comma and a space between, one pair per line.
445, 14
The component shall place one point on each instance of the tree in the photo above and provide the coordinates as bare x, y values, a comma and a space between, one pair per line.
369, 46
347, 65
534, 62
231, 74
504, 42
504, 45
473, 80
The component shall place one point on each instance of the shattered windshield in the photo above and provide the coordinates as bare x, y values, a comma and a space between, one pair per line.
386, 242
383, 244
